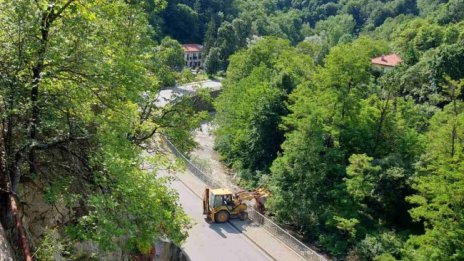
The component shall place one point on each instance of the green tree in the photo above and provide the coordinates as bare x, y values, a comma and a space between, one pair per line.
451, 12
213, 62
307, 177
439, 183
250, 107
287, 25
417, 36
210, 36
316, 46
242, 30
75, 78
226, 41
427, 7
335, 27
170, 53
424, 80
185, 30
168, 61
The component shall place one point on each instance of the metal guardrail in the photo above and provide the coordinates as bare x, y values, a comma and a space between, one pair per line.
198, 171
290, 241
296, 245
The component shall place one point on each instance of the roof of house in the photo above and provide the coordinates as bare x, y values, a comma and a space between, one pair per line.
390, 60
192, 47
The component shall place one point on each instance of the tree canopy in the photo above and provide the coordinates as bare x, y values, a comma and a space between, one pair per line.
78, 80
363, 162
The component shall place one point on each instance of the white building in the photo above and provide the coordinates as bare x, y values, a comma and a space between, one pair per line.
193, 55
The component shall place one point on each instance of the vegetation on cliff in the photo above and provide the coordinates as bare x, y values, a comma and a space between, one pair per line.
77, 85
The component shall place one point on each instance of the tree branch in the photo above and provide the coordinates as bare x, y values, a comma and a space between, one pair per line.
60, 11
55, 143
153, 132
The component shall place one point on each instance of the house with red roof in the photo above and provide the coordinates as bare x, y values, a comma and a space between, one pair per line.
386, 62
193, 55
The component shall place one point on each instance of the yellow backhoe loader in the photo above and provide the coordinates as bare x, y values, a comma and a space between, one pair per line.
219, 205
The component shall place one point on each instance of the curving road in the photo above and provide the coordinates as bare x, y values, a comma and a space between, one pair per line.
213, 241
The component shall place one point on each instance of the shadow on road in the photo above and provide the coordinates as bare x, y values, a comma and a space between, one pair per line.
242, 225
223, 229
235, 226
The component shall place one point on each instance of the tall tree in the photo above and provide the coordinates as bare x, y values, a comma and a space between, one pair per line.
168, 61
75, 76
249, 109
309, 173
439, 183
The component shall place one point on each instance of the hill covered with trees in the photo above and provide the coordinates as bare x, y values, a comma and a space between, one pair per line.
225, 26
364, 163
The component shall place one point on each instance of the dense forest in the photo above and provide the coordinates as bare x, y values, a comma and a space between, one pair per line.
227, 26
364, 163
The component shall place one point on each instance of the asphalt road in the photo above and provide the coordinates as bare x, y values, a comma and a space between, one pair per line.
213, 241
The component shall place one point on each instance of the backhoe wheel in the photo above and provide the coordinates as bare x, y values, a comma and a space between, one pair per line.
243, 216
222, 216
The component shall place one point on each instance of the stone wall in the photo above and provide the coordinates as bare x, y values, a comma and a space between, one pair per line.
6, 254
167, 251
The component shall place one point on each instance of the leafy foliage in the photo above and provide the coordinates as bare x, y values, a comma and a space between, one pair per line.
439, 184
354, 144
50, 246
249, 109
78, 83
168, 61
367, 164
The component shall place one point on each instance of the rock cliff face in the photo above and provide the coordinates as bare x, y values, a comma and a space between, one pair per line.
167, 251
5, 250
38, 215
90, 251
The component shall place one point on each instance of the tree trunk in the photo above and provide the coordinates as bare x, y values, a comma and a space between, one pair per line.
20, 228
152, 255
383, 115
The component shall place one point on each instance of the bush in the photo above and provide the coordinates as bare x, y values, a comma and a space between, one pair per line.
185, 76
380, 246
50, 247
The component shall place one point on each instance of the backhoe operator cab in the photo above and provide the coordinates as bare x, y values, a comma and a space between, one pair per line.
219, 205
